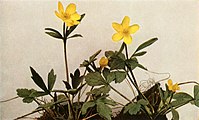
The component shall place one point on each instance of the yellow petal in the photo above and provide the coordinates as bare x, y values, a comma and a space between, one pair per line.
75, 16
176, 87
58, 15
133, 28
170, 82
117, 37
60, 7
128, 39
70, 23
125, 22
71, 9
117, 27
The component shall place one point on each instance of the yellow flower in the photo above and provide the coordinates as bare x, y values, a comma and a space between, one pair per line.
173, 87
103, 62
124, 31
69, 16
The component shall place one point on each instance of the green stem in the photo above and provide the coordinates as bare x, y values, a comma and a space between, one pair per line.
66, 61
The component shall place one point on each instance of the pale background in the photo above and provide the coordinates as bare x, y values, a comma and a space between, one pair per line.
24, 43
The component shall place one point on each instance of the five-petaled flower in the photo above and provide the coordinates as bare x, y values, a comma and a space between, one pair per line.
173, 87
124, 31
103, 62
69, 16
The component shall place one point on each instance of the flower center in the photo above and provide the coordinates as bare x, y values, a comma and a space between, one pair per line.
66, 16
125, 32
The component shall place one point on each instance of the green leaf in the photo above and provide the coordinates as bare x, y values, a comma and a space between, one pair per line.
109, 54
75, 35
132, 63
38, 80
142, 67
196, 102
104, 100
182, 96
51, 79
132, 108
106, 72
76, 79
120, 76
87, 105
54, 33
92, 58
139, 54
146, 44
175, 115
117, 64
67, 85
110, 77
104, 110
23, 92
196, 92
73, 27
94, 79
28, 99
143, 102
181, 99
100, 90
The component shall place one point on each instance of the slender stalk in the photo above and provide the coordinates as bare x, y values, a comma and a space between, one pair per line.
188, 82
65, 51
9, 99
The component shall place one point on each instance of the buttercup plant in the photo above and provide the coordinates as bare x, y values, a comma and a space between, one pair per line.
116, 66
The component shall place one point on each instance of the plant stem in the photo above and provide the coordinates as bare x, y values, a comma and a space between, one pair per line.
188, 82
65, 51
66, 61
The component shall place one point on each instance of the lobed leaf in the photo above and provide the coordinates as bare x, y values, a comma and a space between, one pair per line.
38, 80
87, 105
94, 79
104, 110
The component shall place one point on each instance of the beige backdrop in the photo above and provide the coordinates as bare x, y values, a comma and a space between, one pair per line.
24, 43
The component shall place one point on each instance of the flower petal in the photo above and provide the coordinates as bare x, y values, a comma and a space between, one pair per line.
117, 37
75, 16
133, 28
125, 22
58, 15
170, 82
60, 7
71, 9
128, 39
117, 27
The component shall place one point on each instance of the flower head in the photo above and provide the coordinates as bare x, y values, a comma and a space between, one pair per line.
124, 31
69, 16
173, 87
103, 62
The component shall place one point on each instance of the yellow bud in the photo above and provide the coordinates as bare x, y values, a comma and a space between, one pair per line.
103, 62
